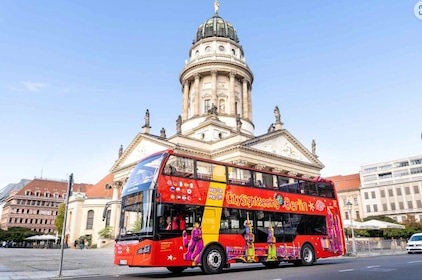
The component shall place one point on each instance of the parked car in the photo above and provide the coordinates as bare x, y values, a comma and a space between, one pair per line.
414, 244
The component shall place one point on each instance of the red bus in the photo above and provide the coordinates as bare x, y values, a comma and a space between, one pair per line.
180, 211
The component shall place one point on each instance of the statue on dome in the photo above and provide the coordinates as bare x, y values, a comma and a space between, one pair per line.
146, 120
277, 114
313, 146
179, 125
163, 133
216, 6
238, 123
213, 110
120, 151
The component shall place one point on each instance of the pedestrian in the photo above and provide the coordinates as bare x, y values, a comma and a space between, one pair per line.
393, 245
86, 243
75, 244
402, 243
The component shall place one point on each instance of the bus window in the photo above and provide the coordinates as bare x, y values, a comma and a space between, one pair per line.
259, 180
325, 190
205, 170
309, 188
239, 176
283, 184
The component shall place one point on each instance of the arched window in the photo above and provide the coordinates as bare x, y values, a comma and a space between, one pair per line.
90, 219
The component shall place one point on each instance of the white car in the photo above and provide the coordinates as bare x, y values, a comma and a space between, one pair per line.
414, 244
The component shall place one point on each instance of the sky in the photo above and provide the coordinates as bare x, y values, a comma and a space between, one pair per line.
76, 78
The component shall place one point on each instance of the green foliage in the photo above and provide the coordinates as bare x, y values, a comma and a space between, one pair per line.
380, 218
411, 227
137, 225
16, 234
60, 218
106, 232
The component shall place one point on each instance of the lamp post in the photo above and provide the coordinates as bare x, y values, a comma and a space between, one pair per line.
349, 208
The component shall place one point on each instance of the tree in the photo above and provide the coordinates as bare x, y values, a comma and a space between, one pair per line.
106, 232
16, 234
60, 218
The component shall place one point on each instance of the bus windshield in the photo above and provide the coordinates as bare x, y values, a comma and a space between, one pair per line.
142, 176
137, 198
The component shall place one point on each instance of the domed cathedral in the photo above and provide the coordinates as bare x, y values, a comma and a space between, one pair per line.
216, 117
217, 84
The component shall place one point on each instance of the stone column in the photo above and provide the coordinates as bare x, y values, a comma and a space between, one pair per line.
196, 93
114, 221
185, 100
214, 87
231, 94
245, 102
250, 102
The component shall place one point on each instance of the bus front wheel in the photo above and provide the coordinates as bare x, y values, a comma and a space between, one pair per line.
307, 255
213, 260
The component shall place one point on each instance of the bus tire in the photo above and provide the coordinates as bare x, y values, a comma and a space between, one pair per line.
213, 260
176, 269
307, 255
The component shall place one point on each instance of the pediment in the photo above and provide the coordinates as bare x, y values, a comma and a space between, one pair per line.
140, 147
285, 145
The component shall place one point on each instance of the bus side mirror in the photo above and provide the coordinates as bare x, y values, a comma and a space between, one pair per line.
160, 210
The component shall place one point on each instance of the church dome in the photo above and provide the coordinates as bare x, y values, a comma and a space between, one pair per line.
216, 27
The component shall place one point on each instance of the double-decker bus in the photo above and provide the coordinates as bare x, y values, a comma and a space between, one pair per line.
180, 211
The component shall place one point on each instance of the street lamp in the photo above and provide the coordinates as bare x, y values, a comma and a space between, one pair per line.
349, 207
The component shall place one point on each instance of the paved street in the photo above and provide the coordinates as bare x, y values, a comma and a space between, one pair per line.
45, 263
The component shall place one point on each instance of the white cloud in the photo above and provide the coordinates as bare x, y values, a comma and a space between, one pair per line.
34, 87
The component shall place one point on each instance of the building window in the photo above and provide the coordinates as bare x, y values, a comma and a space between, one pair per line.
375, 208
366, 195
90, 219
407, 190
358, 215
390, 192
416, 161
401, 205
382, 193
416, 189
373, 194
402, 164
416, 170
370, 169
398, 191
410, 204
346, 214
108, 218
393, 206
355, 201
384, 207
368, 208
385, 167
385, 175
207, 105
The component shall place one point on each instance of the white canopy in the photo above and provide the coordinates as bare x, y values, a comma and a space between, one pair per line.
42, 237
381, 224
358, 225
